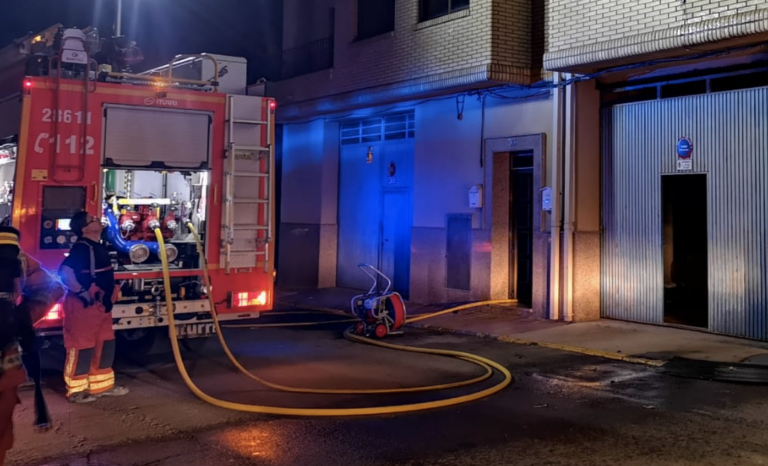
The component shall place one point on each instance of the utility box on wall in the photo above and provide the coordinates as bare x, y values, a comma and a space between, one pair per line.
546, 199
476, 196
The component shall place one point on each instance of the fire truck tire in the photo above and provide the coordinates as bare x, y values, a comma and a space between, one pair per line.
193, 345
136, 342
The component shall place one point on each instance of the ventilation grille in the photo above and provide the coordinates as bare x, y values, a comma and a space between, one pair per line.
388, 128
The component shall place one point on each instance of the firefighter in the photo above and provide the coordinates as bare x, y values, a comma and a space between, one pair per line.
88, 336
11, 370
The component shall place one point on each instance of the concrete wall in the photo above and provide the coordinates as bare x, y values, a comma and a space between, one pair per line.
308, 231
497, 30
447, 162
448, 152
581, 32
586, 255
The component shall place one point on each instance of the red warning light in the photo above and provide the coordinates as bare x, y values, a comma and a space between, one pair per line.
27, 84
272, 104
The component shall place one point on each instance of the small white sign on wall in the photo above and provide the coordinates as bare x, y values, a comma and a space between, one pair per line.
684, 165
546, 199
476, 196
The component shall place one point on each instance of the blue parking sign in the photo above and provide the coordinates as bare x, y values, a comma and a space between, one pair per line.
684, 148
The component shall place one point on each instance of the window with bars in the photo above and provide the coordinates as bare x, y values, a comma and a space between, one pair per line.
387, 128
431, 9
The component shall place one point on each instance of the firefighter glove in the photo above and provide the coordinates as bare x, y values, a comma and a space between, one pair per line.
86, 298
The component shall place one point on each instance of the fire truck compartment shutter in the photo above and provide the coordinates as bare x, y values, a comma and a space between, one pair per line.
156, 138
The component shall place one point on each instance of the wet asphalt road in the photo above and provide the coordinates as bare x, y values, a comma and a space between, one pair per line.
562, 409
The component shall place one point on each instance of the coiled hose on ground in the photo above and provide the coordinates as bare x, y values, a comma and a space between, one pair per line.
485, 363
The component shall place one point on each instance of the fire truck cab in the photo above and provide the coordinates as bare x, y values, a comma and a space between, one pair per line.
171, 147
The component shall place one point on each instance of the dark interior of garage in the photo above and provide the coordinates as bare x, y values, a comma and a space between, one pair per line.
686, 299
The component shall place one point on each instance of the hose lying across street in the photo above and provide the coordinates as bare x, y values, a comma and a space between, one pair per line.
488, 365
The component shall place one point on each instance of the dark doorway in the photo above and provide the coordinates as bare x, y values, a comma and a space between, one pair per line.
521, 227
686, 291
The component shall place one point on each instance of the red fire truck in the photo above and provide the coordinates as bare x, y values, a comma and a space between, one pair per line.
177, 145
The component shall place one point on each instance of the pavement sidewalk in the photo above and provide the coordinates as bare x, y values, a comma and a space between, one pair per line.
648, 344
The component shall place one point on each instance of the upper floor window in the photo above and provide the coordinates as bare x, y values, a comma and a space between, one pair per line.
435, 8
375, 17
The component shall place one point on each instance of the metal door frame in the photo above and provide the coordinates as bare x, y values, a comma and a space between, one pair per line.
709, 290
494, 148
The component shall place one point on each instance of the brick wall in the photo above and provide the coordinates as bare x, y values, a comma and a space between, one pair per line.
491, 30
593, 24
511, 32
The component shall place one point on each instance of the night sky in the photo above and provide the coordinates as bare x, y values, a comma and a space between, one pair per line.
164, 28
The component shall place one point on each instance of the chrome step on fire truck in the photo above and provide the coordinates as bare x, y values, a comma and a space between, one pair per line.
177, 144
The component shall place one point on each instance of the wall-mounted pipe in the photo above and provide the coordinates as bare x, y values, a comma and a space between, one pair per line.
569, 197
557, 191
483, 161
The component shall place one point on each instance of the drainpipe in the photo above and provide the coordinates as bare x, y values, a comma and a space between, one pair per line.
569, 197
557, 192
119, 18
483, 164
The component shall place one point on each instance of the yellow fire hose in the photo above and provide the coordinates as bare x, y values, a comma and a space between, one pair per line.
488, 371
340, 313
487, 364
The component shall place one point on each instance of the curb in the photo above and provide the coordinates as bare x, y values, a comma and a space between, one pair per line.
326, 310
513, 340
555, 346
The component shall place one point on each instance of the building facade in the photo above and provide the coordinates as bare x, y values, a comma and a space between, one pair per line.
590, 159
679, 90
402, 142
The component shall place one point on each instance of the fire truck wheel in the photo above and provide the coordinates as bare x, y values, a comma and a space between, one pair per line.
136, 342
193, 345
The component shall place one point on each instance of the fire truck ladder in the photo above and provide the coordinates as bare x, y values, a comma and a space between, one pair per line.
248, 172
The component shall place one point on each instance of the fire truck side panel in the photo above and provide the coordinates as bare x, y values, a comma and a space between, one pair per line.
61, 120
41, 145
